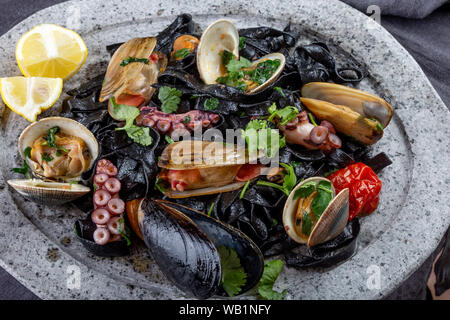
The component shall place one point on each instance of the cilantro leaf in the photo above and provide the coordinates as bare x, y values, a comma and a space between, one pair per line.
323, 198
305, 190
181, 53
285, 115
128, 114
260, 137
211, 104
170, 99
140, 135
124, 112
233, 274
124, 231
169, 140
46, 157
271, 272
306, 223
236, 65
289, 181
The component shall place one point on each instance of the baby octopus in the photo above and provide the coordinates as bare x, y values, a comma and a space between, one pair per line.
165, 123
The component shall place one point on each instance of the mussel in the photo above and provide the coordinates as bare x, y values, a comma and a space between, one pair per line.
313, 213
132, 70
353, 112
184, 243
57, 150
222, 36
193, 168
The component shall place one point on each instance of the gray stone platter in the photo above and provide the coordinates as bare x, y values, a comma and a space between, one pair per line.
37, 243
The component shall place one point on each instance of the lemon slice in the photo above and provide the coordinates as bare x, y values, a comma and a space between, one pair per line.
30, 96
50, 51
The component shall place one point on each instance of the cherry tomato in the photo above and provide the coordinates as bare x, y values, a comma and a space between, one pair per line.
363, 184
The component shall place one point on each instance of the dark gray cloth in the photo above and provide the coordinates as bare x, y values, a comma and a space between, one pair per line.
416, 9
427, 40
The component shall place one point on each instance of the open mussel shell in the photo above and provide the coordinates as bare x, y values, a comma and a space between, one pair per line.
275, 75
49, 191
181, 249
365, 104
225, 235
84, 230
330, 224
220, 35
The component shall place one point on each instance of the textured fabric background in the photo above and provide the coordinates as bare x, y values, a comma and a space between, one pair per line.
421, 26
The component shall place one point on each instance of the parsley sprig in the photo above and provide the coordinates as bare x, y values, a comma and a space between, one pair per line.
129, 60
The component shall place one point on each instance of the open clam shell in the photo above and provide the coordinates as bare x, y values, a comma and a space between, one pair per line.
275, 75
220, 35
331, 222
60, 189
135, 78
366, 104
48, 193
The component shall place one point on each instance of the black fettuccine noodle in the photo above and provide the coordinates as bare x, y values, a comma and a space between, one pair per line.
258, 213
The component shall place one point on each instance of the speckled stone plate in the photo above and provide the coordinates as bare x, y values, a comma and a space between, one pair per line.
38, 244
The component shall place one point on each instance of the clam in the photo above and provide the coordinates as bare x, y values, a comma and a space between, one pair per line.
184, 243
219, 36
193, 168
222, 36
353, 112
56, 169
303, 224
132, 70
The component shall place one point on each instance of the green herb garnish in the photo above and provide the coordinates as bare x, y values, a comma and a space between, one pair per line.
265, 70
272, 270
306, 223
128, 114
187, 120
259, 136
124, 232
323, 198
24, 170
233, 274
211, 104
27, 152
289, 181
330, 172
169, 140
162, 185
211, 209
379, 125
284, 115
244, 189
305, 190
181, 53
311, 118
280, 91
170, 99
129, 60
46, 157
241, 42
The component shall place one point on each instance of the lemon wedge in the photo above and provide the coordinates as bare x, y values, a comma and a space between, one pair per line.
30, 96
50, 51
